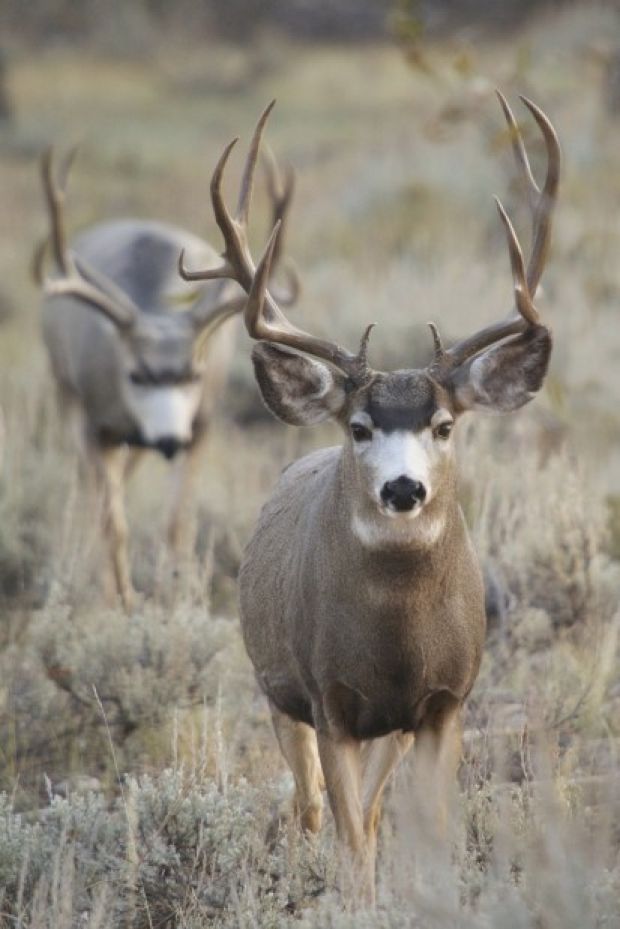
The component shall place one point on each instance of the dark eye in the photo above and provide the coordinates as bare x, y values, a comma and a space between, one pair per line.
136, 377
443, 430
360, 433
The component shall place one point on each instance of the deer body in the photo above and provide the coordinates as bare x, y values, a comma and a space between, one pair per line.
352, 638
141, 355
361, 599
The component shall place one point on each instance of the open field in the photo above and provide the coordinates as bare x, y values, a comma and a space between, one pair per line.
141, 780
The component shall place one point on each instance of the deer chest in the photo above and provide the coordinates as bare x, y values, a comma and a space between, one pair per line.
385, 680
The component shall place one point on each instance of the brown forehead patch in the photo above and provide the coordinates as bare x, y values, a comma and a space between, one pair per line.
402, 400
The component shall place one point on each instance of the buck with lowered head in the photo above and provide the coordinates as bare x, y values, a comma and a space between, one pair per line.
362, 603
123, 335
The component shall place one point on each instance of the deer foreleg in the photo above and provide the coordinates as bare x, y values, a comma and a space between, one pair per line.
182, 519
342, 769
112, 470
298, 745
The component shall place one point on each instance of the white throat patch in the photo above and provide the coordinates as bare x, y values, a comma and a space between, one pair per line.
383, 531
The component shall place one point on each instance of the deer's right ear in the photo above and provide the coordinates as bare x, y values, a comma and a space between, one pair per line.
297, 389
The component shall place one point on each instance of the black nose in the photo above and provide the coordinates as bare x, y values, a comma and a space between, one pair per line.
403, 493
168, 446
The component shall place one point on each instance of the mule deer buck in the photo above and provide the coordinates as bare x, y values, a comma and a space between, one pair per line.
126, 359
361, 597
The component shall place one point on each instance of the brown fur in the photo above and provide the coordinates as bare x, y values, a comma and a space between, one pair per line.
356, 642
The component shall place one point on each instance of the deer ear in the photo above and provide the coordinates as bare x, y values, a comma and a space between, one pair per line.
298, 390
505, 377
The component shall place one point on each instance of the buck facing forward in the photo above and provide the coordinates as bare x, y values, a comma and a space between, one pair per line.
361, 597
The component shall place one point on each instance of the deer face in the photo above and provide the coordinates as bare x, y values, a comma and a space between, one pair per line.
398, 434
162, 381
398, 458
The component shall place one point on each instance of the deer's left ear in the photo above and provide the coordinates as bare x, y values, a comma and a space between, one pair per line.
298, 390
506, 376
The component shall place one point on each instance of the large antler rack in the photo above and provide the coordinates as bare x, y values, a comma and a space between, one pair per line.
525, 282
264, 319
75, 278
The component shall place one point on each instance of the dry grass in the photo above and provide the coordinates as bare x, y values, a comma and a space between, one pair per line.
393, 222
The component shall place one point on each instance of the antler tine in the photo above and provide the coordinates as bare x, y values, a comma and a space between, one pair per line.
525, 282
222, 216
438, 349
76, 287
520, 152
290, 296
65, 168
272, 173
87, 284
229, 268
253, 315
247, 181
523, 298
362, 353
280, 195
55, 194
223, 270
237, 264
543, 212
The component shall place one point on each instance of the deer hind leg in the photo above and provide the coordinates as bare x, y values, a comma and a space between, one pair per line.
111, 467
379, 759
298, 745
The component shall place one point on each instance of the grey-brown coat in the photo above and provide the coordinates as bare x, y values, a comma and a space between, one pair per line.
361, 598
138, 355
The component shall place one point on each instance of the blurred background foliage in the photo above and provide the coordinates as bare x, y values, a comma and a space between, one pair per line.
48, 22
